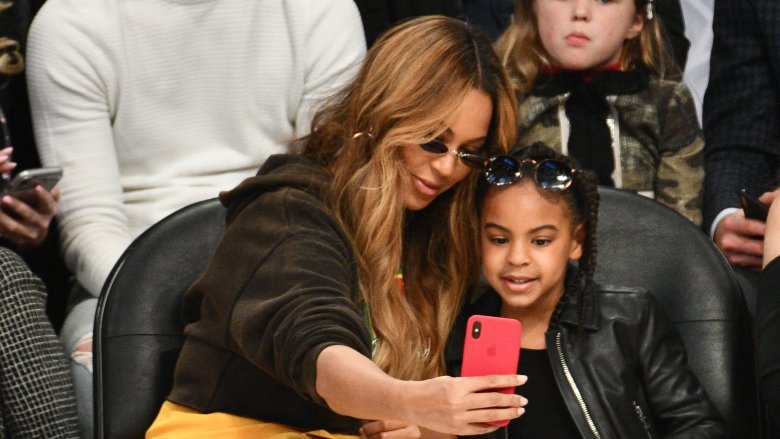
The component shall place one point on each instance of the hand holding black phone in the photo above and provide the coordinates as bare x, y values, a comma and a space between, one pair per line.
752, 207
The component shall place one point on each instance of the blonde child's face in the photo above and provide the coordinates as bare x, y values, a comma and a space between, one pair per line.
527, 241
586, 34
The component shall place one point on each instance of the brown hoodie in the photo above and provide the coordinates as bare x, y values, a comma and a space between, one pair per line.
281, 287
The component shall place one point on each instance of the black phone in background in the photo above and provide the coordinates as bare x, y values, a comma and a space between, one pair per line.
752, 207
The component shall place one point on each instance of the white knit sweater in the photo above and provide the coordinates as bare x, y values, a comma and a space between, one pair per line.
150, 105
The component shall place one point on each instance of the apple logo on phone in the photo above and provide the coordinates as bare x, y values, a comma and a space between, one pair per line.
491, 350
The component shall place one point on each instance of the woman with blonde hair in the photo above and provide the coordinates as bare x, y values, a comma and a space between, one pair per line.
595, 81
331, 295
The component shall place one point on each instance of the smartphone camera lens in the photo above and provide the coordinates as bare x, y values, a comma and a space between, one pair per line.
476, 330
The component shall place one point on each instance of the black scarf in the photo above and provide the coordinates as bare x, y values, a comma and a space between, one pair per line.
590, 141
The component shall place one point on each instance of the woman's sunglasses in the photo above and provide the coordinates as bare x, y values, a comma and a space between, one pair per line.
552, 175
469, 159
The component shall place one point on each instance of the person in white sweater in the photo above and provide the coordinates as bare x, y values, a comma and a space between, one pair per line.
152, 105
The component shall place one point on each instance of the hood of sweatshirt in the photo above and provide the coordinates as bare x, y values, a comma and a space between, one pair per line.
279, 171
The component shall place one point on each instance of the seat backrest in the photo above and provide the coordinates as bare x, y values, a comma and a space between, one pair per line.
138, 326
643, 243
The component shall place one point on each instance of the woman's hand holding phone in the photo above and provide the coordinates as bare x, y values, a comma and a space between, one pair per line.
464, 405
25, 221
352, 384
28, 204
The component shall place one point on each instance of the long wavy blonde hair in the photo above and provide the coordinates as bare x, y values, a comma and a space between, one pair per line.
11, 61
523, 54
415, 78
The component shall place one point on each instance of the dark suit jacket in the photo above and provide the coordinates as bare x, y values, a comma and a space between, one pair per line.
741, 114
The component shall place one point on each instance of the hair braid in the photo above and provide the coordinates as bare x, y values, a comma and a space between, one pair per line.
588, 198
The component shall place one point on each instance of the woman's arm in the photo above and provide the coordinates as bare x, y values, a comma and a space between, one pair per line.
353, 385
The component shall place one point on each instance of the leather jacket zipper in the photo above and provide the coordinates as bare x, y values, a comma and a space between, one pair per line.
574, 387
643, 419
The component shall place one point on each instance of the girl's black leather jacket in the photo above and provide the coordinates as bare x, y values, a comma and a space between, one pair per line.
622, 374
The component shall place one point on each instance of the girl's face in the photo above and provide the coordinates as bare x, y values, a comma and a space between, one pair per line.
527, 241
586, 34
433, 174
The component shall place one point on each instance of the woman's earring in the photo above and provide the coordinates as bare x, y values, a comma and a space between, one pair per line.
650, 10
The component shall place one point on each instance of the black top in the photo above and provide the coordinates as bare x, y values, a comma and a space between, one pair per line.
545, 415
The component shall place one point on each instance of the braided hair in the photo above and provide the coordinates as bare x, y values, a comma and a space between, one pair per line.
582, 197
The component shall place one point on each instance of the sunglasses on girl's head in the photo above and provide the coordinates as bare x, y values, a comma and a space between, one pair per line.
470, 159
553, 175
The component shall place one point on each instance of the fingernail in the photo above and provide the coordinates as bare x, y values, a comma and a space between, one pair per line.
520, 411
523, 400
7, 200
522, 379
7, 150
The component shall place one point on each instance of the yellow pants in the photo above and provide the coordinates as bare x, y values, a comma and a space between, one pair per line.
176, 421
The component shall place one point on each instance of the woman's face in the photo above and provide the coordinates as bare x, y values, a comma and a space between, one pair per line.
433, 174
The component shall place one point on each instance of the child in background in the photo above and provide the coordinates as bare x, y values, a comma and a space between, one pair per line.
600, 362
593, 80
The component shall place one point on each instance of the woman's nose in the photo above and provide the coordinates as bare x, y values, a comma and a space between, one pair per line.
445, 164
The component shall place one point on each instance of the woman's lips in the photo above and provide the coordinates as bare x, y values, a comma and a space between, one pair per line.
426, 187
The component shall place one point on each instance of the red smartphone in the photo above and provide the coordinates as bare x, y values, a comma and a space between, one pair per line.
492, 347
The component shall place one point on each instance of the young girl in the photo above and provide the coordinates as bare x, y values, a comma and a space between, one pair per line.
300, 323
600, 362
593, 81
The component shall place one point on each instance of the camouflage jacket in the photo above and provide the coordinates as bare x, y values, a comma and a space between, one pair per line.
660, 142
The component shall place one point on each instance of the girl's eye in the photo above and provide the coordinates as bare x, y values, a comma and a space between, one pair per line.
541, 242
